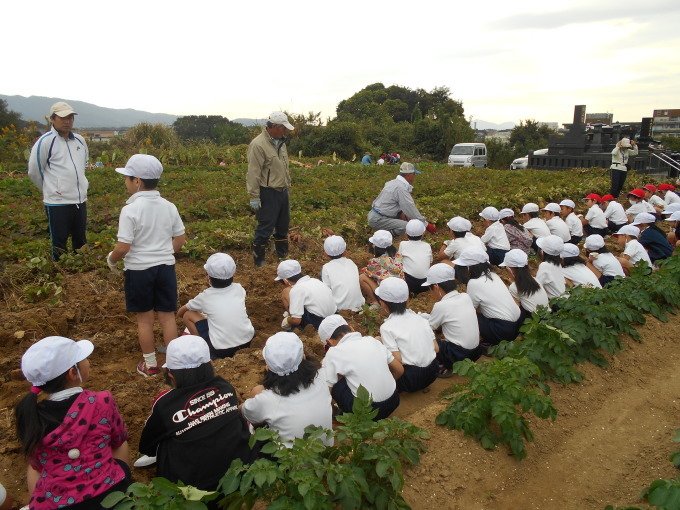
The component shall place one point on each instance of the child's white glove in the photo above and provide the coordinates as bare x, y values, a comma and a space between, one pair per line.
285, 326
112, 265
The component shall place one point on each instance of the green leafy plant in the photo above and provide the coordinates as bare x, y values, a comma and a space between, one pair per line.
45, 281
159, 493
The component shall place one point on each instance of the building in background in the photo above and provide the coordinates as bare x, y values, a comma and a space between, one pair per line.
666, 122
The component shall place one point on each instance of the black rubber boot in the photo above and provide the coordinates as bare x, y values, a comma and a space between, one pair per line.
259, 251
281, 248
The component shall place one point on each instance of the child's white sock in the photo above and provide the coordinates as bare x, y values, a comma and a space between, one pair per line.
150, 360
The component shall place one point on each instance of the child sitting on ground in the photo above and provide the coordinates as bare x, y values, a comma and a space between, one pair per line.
549, 273
601, 261
218, 314
407, 336
652, 237
574, 268
416, 256
461, 238
535, 225
613, 213
386, 262
341, 275
495, 239
594, 221
652, 198
556, 224
518, 236
638, 204
573, 222
674, 235
525, 290
667, 191
633, 251
305, 300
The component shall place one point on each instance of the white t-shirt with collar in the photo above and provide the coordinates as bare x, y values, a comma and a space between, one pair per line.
148, 222
608, 265
551, 278
313, 295
496, 237
492, 298
532, 302
671, 197
595, 217
416, 257
537, 227
342, 277
559, 228
637, 252
362, 361
411, 335
455, 247
615, 213
579, 274
457, 317
656, 201
640, 207
574, 224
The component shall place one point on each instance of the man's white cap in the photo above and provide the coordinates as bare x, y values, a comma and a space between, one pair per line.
671, 208
287, 268
280, 118
490, 213
459, 224
568, 203
505, 213
62, 109
50, 357
471, 257
392, 289
408, 168
186, 351
439, 273
329, 325
283, 353
381, 239
415, 228
594, 242
625, 142
674, 217
628, 230
334, 246
530, 207
552, 207
552, 244
144, 166
570, 250
644, 217
220, 266
515, 258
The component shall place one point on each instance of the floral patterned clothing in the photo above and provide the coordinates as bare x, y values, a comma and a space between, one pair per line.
383, 267
519, 238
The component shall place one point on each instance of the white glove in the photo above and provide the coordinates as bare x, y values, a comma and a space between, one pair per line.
112, 265
284, 325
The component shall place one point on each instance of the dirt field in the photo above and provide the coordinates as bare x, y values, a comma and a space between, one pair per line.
612, 436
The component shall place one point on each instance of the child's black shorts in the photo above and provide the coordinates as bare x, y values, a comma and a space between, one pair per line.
151, 289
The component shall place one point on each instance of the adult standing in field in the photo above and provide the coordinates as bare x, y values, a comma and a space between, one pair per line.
625, 148
394, 206
57, 167
267, 183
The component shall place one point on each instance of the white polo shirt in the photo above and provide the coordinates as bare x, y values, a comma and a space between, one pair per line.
416, 257
656, 201
290, 415
640, 207
455, 247
579, 274
574, 224
615, 213
559, 228
496, 237
311, 294
671, 197
457, 317
492, 298
411, 335
225, 310
595, 217
551, 278
149, 222
362, 361
608, 265
537, 227
342, 277
529, 303
637, 252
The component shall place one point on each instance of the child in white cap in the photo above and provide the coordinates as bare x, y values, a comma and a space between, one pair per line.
633, 251
416, 256
576, 272
150, 232
498, 316
305, 300
352, 361
556, 224
518, 236
218, 314
195, 430
535, 225
652, 237
495, 239
674, 235
73, 427
407, 336
549, 273
385, 262
567, 207
461, 238
455, 315
293, 393
341, 275
613, 213
601, 261
525, 289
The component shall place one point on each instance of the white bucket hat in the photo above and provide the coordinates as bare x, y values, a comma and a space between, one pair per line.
334, 246
286, 269
439, 273
220, 266
381, 239
570, 250
52, 356
415, 228
283, 353
506, 213
594, 242
186, 351
490, 213
459, 224
471, 257
515, 258
552, 244
628, 230
392, 289
329, 325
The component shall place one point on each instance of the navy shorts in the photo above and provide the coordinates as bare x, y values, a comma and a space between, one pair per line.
493, 331
345, 399
151, 289
204, 333
415, 285
449, 353
417, 378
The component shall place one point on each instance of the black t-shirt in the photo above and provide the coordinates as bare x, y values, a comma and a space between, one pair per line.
195, 433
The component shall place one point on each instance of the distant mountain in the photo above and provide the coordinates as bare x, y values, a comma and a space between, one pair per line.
482, 124
89, 115
250, 122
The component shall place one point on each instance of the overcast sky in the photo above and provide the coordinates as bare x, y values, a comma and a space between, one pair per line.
505, 60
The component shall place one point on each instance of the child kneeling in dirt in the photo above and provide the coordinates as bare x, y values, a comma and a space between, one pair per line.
353, 361
341, 275
306, 300
218, 314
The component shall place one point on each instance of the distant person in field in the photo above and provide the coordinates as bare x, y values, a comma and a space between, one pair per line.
366, 160
57, 167
624, 150
394, 206
267, 183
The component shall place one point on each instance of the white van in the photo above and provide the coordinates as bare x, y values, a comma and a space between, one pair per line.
468, 154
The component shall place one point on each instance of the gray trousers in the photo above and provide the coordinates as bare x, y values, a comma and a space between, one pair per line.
273, 216
395, 226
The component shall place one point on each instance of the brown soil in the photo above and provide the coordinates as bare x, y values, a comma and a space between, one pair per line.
610, 440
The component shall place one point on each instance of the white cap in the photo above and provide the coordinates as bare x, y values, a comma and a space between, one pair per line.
281, 119
625, 142
50, 357
329, 325
552, 207
530, 207
381, 239
671, 208
62, 109
415, 228
552, 244
334, 246
392, 289
490, 213
594, 242
570, 250
439, 273
144, 166
220, 266
408, 168
287, 268
674, 217
628, 230
568, 203
505, 213
471, 257
186, 351
515, 258
283, 353
459, 224
644, 217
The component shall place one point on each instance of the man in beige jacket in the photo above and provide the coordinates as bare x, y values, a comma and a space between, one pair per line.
267, 183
